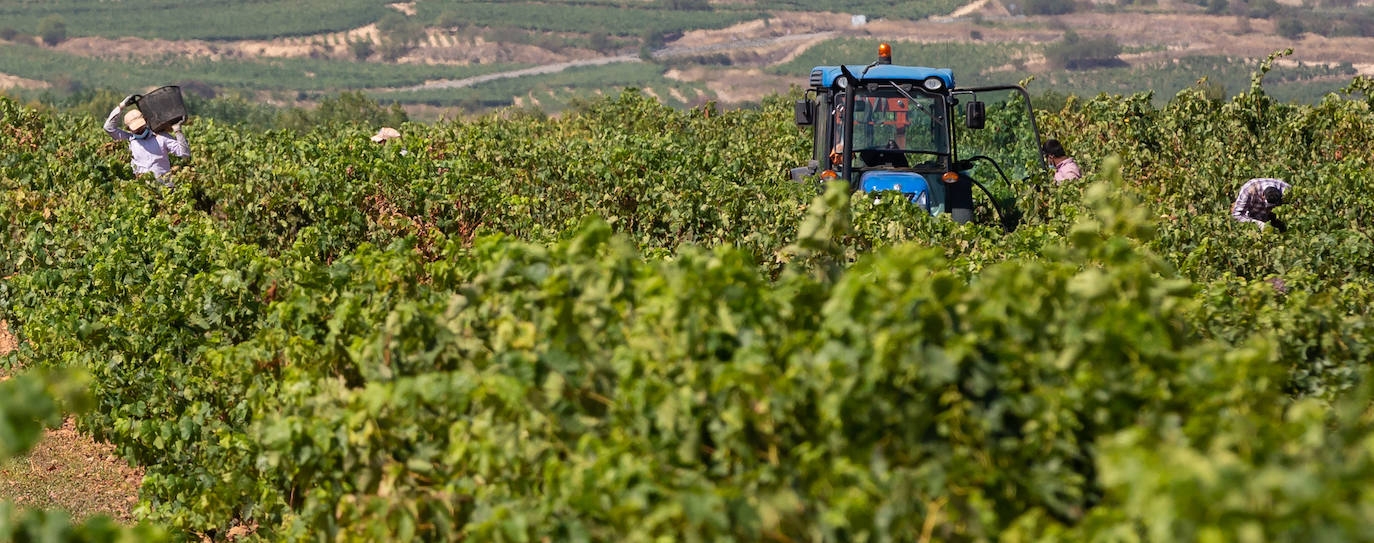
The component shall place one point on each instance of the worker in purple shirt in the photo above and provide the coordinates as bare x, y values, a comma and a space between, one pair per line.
150, 150
1064, 167
1256, 202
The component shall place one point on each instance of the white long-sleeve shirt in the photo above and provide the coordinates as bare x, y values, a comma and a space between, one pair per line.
150, 154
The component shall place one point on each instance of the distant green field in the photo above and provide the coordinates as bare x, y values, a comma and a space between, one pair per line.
972, 68
556, 90
974, 64
1293, 84
581, 17
298, 74
971, 62
263, 19
195, 19
890, 9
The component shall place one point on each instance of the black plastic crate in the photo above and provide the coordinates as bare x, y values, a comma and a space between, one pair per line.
162, 107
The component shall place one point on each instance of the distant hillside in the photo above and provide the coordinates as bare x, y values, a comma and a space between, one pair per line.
684, 52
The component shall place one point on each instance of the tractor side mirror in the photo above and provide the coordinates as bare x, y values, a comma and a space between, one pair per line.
975, 116
803, 112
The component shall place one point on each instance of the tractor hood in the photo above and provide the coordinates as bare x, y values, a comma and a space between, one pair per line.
928, 193
825, 76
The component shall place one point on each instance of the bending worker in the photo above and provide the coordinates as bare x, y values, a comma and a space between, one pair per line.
1257, 200
151, 151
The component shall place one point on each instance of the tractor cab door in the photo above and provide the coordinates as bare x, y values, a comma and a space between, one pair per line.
997, 139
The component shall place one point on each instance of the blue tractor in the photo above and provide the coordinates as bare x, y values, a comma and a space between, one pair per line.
884, 127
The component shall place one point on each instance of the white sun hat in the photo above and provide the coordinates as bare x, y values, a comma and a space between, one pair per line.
384, 134
134, 120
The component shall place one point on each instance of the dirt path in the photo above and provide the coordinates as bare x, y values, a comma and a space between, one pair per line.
6, 345
68, 470
537, 70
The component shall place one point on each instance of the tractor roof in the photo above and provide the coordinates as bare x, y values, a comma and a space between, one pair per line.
825, 76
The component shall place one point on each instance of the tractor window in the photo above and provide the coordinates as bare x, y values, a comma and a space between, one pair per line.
1007, 137
911, 129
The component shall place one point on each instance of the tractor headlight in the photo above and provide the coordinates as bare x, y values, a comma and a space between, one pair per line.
933, 83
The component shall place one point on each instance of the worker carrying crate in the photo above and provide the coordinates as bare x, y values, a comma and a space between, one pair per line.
146, 125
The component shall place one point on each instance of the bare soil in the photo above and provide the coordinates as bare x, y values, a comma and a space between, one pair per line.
986, 8
140, 48
734, 85
474, 50
6, 342
778, 24
14, 82
68, 470
438, 47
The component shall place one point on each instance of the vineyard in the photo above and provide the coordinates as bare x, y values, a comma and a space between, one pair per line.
301, 74
580, 17
685, 53
997, 63
556, 92
625, 324
197, 19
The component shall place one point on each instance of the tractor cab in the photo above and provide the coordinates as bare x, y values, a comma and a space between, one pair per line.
884, 127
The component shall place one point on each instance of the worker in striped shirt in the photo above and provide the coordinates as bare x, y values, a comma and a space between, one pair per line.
1257, 200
